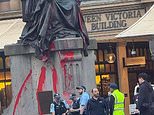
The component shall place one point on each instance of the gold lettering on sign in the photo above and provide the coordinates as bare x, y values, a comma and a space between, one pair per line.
112, 20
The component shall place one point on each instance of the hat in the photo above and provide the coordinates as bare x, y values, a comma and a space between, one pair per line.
81, 87
113, 86
56, 95
72, 95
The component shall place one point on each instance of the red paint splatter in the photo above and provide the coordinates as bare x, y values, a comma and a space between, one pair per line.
41, 79
67, 55
20, 91
40, 86
64, 56
55, 79
69, 80
52, 46
66, 97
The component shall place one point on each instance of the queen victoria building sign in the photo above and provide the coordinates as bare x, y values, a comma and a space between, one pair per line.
113, 20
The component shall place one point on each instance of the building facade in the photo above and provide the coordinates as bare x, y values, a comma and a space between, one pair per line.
8, 9
104, 20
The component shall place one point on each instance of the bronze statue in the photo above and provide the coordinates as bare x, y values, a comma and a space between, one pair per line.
47, 20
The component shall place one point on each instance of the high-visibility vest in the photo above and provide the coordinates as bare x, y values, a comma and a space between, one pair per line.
118, 102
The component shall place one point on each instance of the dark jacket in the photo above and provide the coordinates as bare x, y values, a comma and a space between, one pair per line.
96, 107
76, 105
144, 98
60, 108
110, 104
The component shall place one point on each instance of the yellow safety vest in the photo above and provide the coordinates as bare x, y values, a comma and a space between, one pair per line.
118, 102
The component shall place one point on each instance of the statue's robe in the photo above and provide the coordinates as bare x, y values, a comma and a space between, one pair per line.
47, 20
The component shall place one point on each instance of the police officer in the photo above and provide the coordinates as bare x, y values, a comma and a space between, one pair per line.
84, 97
75, 106
58, 107
116, 104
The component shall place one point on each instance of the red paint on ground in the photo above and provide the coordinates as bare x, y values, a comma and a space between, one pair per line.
40, 86
20, 91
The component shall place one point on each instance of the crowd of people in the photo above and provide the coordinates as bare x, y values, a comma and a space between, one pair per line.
114, 104
90, 105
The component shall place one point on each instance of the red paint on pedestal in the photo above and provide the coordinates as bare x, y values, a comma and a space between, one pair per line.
40, 86
20, 91
55, 79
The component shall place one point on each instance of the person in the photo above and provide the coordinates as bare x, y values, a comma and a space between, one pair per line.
136, 93
58, 107
135, 98
116, 101
47, 20
84, 97
96, 105
144, 97
75, 106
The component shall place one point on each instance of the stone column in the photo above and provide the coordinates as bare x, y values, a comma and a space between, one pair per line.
65, 69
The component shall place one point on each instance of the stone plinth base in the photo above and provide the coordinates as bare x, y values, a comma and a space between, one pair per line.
66, 69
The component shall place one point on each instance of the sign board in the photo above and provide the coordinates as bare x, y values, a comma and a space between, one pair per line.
102, 21
45, 100
132, 109
134, 61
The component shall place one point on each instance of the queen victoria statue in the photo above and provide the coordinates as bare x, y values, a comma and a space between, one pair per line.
47, 20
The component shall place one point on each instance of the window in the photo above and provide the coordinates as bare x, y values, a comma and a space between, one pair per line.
105, 72
5, 80
141, 49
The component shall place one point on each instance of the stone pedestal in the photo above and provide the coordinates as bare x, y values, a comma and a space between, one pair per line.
66, 69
